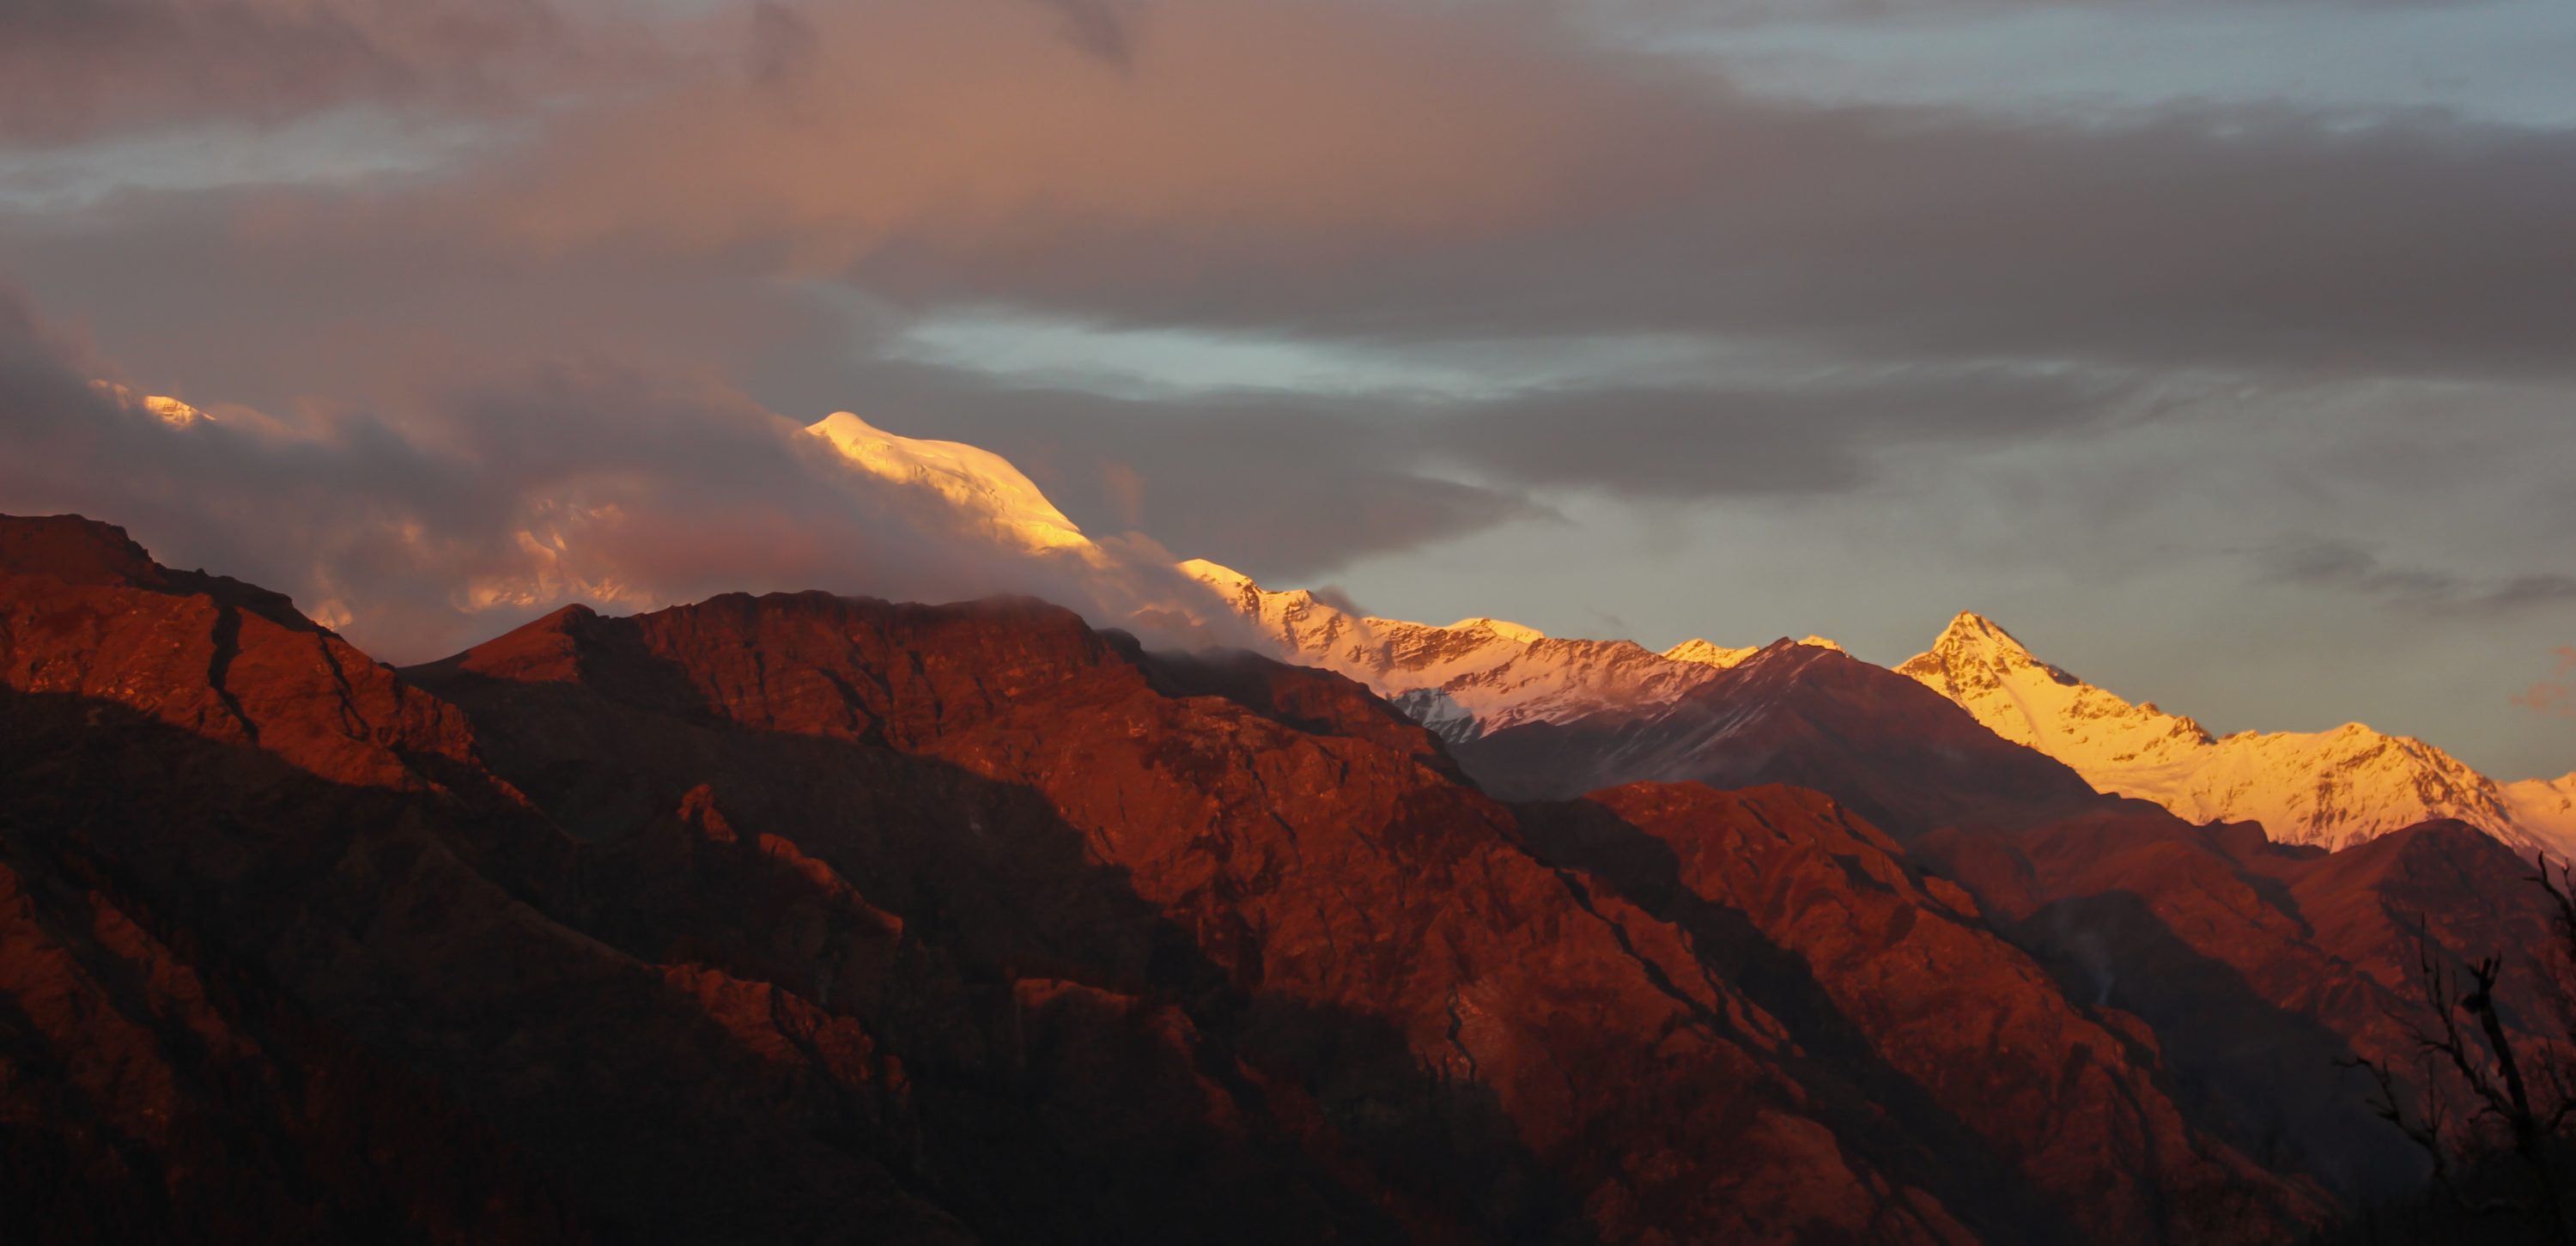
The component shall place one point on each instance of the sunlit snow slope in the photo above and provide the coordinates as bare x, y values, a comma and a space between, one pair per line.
2334, 788
1476, 675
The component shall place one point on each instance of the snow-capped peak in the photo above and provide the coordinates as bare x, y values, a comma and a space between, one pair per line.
2333, 788
1970, 632
1707, 654
2547, 808
1216, 575
173, 412
983, 485
1474, 676
1501, 627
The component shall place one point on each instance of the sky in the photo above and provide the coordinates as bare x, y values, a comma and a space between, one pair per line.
2224, 352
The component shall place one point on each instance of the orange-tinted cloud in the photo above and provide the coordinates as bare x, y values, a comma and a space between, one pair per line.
443, 517
2555, 696
1395, 170
983, 126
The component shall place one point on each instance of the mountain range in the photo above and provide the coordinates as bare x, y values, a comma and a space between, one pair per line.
1481, 676
2331, 788
823, 918
810, 916
2335, 788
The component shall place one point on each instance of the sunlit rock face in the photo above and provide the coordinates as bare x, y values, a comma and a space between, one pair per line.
2331, 788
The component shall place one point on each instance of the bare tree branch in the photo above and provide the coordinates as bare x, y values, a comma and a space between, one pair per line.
2482, 1056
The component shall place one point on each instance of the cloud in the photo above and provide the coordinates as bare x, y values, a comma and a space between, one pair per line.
442, 516
1803, 435
2351, 567
1275, 486
1103, 28
1337, 597
1290, 486
2555, 696
74, 68
1401, 172
1398, 174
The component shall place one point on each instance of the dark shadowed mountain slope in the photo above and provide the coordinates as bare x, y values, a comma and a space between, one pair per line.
2262, 970
1318, 857
809, 918
1891, 749
283, 813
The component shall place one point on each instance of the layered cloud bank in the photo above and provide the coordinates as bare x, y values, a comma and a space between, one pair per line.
419, 529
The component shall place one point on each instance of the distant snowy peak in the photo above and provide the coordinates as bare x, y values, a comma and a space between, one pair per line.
990, 492
1472, 677
173, 412
1499, 627
2547, 807
1707, 654
2023, 699
2332, 788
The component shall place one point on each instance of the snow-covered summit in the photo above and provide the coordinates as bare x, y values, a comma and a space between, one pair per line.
1472, 677
1504, 628
173, 412
2333, 788
2546, 807
983, 485
1706, 653
2023, 699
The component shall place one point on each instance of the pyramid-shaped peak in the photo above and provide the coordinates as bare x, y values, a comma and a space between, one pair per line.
1973, 631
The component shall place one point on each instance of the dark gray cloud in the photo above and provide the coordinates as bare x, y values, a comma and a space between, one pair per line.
1339, 598
2233, 240
1803, 435
2352, 567
71, 68
1103, 28
1291, 487
781, 41
1277, 488
274, 298
1398, 173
